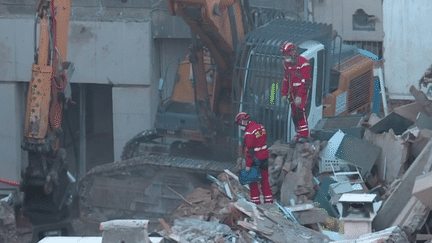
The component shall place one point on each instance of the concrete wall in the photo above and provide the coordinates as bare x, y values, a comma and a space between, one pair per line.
11, 131
130, 114
119, 52
339, 13
407, 44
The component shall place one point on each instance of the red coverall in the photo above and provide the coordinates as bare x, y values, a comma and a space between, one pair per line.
256, 139
296, 83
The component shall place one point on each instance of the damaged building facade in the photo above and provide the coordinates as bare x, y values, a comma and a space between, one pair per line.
363, 178
120, 49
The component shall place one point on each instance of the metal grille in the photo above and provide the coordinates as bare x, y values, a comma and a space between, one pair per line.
375, 47
359, 91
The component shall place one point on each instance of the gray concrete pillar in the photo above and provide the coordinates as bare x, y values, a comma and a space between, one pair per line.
131, 114
12, 157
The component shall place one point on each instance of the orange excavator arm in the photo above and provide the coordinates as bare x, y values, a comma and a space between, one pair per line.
49, 77
218, 23
45, 182
220, 26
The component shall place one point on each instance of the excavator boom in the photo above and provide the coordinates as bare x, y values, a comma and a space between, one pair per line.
46, 181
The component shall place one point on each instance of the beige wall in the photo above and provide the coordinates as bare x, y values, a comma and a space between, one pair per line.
339, 13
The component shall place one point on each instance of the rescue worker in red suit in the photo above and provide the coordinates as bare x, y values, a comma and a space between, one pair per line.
255, 142
296, 85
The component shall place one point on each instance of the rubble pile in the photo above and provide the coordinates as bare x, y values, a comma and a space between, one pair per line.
373, 186
8, 233
369, 183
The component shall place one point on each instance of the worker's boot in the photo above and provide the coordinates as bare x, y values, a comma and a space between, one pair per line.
268, 199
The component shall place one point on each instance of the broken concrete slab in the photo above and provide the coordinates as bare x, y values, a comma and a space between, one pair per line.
422, 189
311, 216
402, 193
125, 230
394, 153
394, 121
409, 111
412, 217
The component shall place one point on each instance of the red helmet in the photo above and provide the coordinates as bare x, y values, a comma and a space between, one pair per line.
242, 116
288, 48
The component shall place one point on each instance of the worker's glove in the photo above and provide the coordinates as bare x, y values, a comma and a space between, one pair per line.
297, 101
248, 169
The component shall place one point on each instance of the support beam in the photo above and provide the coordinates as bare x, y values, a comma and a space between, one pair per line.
82, 132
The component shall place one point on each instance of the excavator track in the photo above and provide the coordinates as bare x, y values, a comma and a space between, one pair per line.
146, 187
132, 147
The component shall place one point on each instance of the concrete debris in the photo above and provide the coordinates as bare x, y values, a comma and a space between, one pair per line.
399, 198
412, 217
298, 185
422, 189
422, 100
270, 224
394, 154
280, 159
311, 216
197, 231
409, 111
125, 231
392, 234
353, 187
422, 137
6, 214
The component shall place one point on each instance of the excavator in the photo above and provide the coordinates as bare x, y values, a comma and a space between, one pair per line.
46, 183
234, 65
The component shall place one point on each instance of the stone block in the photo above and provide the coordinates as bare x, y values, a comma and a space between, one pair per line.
115, 231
